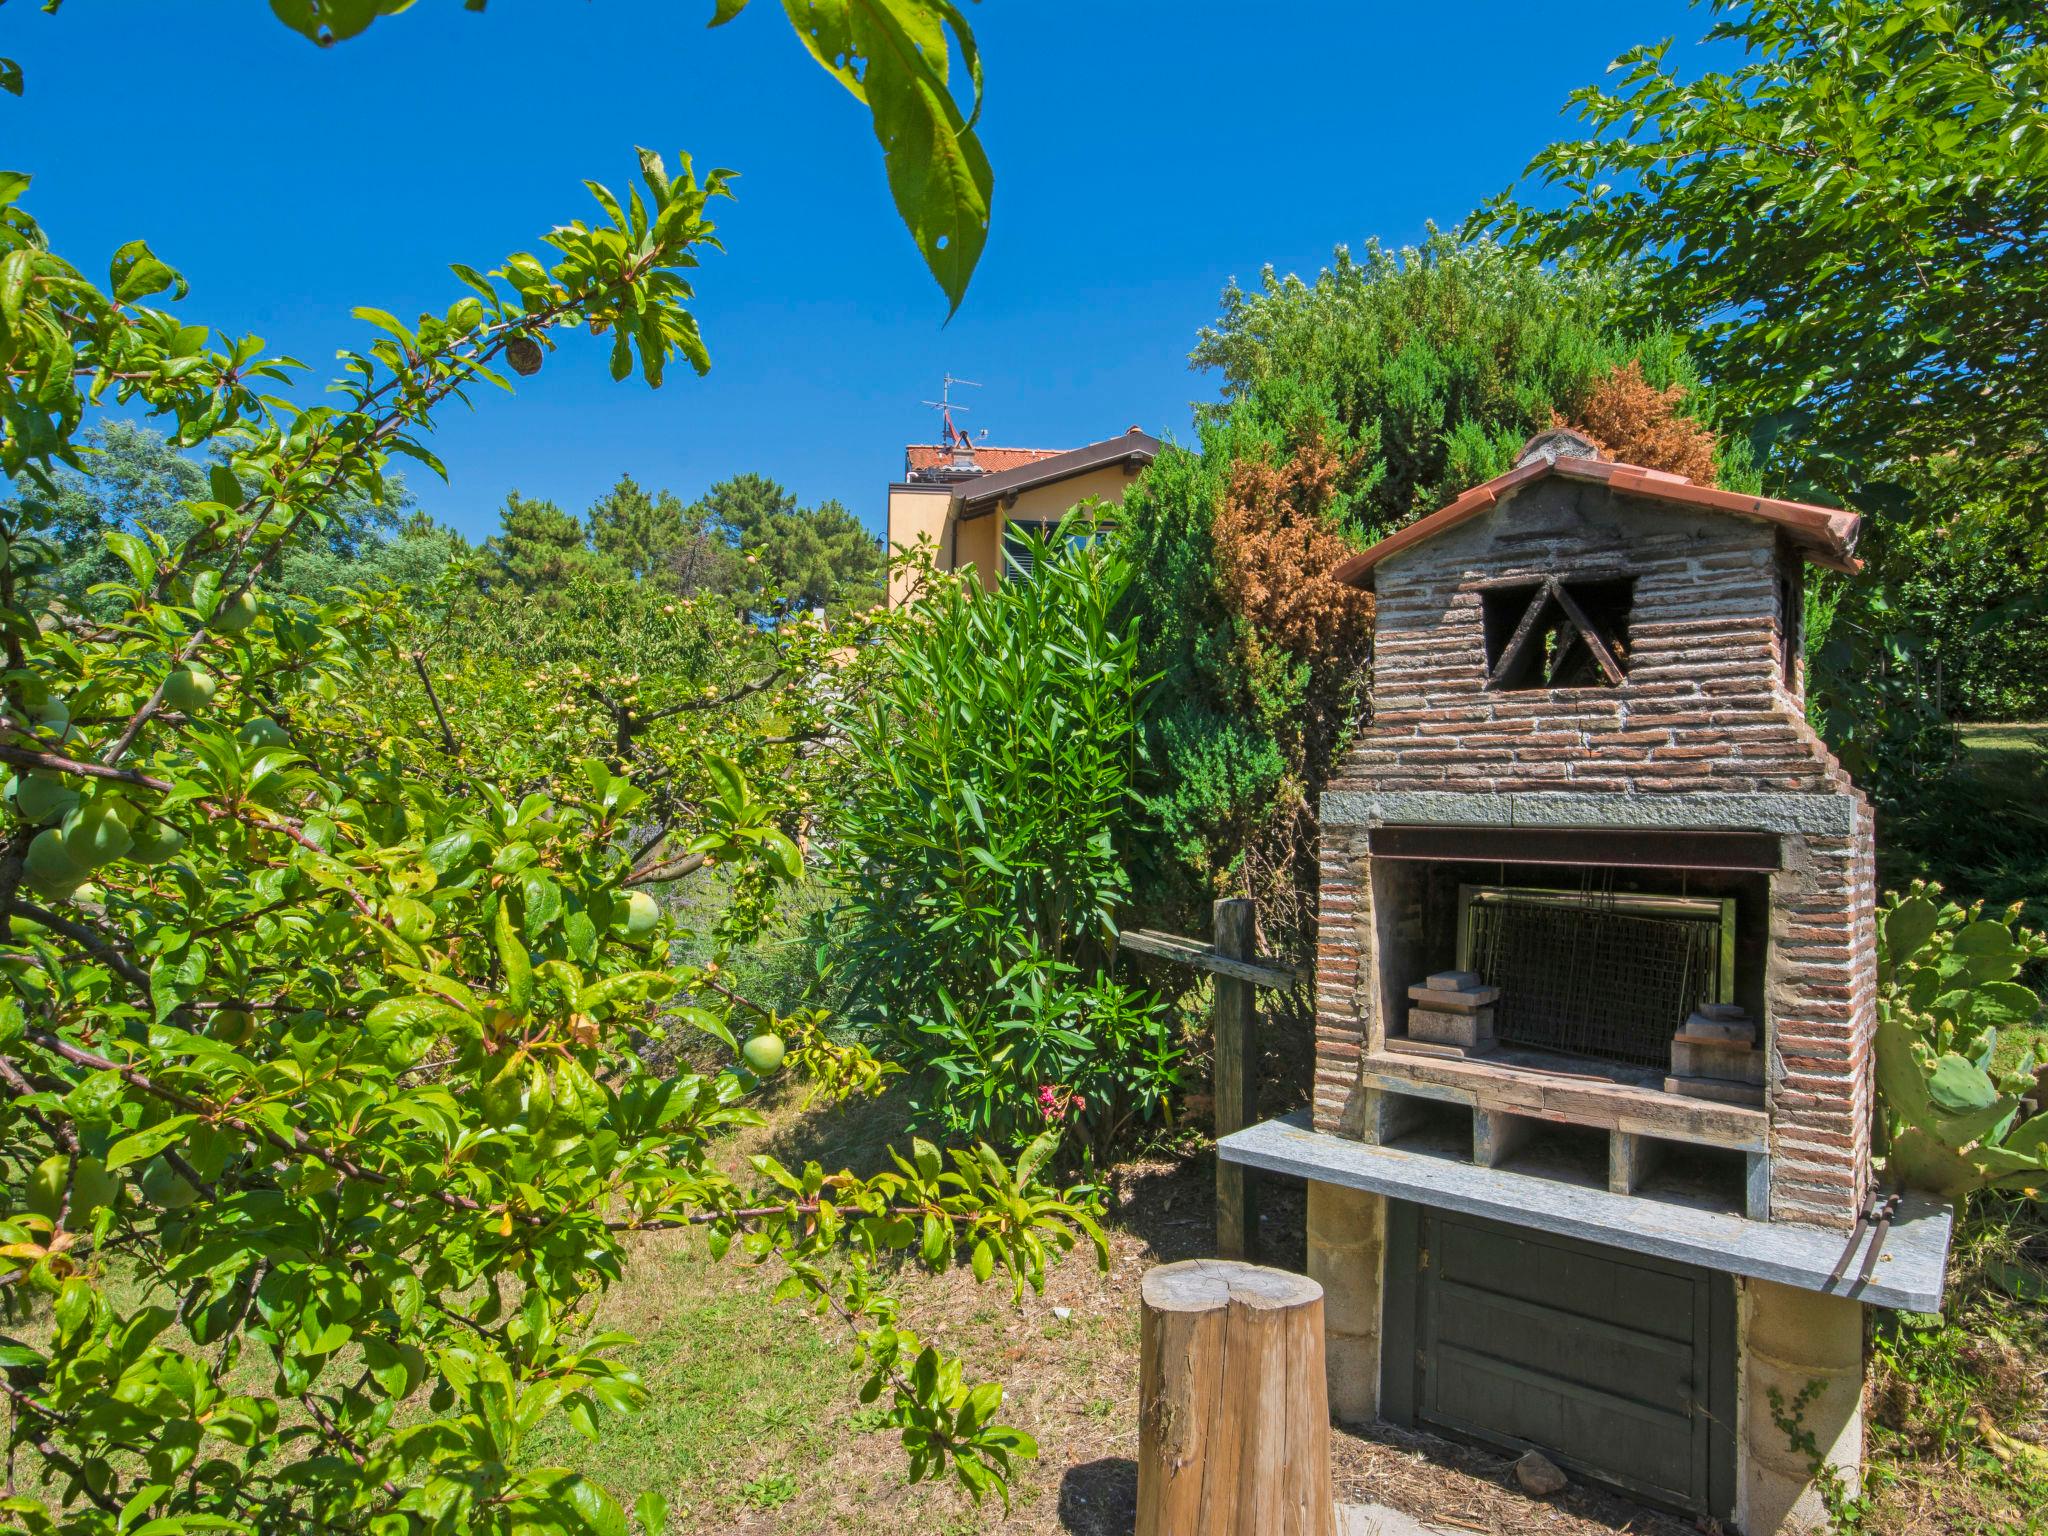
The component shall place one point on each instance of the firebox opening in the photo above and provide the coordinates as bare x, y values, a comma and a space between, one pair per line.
1593, 971
1596, 968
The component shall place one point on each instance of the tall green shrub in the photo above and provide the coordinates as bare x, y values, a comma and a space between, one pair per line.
983, 841
1227, 759
1422, 370
1439, 359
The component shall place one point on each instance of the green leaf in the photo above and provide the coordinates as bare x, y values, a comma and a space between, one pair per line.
1987, 937
651, 1509
892, 54
581, 934
513, 960
414, 1014
136, 273
1036, 1156
413, 919
136, 555
542, 899
706, 1022
444, 853
332, 21
137, 1145
550, 1493
782, 855
2026, 1282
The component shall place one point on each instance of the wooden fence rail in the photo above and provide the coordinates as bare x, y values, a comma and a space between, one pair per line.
1231, 959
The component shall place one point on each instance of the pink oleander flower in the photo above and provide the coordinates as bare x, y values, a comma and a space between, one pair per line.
1055, 1102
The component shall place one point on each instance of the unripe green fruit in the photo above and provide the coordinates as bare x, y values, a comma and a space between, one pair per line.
97, 833
91, 1187
262, 731
51, 861
54, 890
236, 614
163, 1185
763, 1054
53, 715
46, 1186
232, 1026
189, 689
642, 913
155, 843
43, 797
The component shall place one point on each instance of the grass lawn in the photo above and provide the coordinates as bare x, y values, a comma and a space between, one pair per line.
1958, 1409
753, 1427
1980, 829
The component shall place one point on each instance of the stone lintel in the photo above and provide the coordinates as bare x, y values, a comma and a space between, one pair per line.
1815, 815
1908, 1274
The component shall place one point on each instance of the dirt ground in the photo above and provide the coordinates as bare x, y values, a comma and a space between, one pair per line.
1069, 1361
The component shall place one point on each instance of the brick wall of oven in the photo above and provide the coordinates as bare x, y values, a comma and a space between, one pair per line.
1705, 706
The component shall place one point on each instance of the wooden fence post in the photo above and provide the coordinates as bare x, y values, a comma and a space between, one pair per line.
1233, 1417
1237, 1078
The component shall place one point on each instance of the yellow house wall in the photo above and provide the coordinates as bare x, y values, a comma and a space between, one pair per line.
1040, 504
974, 543
1050, 503
926, 511
916, 511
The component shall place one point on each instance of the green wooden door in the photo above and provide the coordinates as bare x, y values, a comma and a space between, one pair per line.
1619, 1367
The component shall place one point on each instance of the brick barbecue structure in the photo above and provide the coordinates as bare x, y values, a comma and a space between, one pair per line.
1703, 734
1589, 1166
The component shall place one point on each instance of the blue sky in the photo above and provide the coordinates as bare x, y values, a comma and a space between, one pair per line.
1145, 152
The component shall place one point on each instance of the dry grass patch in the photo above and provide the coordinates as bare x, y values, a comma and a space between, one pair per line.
753, 1427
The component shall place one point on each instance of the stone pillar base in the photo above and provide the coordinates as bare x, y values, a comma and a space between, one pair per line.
1793, 1341
1347, 1245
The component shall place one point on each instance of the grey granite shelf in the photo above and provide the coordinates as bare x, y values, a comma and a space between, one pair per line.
1908, 1274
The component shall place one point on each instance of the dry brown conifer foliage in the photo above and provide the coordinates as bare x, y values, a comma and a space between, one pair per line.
1634, 422
1275, 547
1276, 542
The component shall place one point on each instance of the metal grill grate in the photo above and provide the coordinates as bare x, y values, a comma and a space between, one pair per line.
1596, 974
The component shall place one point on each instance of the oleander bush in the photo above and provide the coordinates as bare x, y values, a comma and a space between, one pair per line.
982, 840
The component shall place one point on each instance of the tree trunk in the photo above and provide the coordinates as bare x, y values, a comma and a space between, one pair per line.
1233, 1415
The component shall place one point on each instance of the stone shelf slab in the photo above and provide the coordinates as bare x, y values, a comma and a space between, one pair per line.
1908, 1274
1826, 815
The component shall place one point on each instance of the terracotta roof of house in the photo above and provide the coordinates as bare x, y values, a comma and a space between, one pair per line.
1825, 535
920, 456
1133, 449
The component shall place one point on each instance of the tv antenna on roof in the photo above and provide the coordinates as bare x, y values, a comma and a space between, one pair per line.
956, 437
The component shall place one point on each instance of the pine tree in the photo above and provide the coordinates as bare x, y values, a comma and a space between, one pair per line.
537, 545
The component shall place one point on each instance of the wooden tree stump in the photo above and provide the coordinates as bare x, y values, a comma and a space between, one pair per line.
1233, 1412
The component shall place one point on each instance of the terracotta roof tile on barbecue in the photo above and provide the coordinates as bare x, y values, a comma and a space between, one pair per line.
1825, 535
